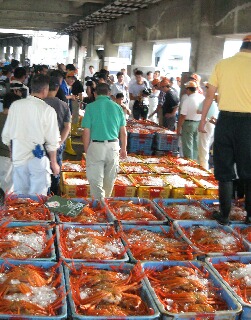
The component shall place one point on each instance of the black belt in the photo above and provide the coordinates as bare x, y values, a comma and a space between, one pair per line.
113, 140
236, 114
193, 120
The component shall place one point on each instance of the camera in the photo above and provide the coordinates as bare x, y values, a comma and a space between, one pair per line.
146, 92
96, 77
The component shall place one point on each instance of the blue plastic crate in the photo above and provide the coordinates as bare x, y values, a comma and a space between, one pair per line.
126, 267
209, 203
35, 198
186, 224
240, 226
166, 142
62, 311
94, 202
93, 227
234, 308
49, 235
143, 152
152, 228
170, 202
161, 217
138, 142
246, 308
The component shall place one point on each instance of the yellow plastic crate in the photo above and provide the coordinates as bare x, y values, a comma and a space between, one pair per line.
208, 190
75, 191
151, 191
131, 167
201, 197
80, 163
120, 190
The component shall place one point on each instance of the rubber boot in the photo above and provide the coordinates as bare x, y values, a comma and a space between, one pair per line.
248, 201
68, 147
225, 198
74, 130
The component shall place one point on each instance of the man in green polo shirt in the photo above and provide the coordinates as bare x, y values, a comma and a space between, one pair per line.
104, 124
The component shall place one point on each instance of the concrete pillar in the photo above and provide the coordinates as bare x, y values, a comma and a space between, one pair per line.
24, 54
7, 54
206, 49
2, 54
15, 53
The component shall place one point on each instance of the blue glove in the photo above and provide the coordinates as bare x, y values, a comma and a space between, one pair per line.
38, 152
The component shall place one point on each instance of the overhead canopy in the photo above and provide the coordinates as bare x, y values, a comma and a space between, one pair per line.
64, 16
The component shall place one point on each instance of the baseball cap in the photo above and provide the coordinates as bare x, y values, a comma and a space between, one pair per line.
247, 38
191, 84
164, 82
155, 82
70, 74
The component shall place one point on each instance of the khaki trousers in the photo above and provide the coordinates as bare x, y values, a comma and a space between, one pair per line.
102, 161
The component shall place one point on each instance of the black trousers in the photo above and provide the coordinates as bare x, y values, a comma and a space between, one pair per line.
232, 146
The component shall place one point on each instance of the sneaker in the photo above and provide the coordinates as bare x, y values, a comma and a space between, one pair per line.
220, 219
248, 220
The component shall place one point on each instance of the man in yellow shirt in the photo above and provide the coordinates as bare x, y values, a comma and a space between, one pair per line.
232, 144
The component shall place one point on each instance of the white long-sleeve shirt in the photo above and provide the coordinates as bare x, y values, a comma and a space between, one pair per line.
30, 121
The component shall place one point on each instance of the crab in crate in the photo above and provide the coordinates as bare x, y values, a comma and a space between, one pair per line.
128, 210
90, 214
156, 246
185, 289
135, 168
90, 244
237, 212
26, 289
214, 239
25, 242
100, 292
184, 211
24, 209
238, 276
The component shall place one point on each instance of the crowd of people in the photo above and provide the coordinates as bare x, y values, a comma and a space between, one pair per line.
40, 111
32, 139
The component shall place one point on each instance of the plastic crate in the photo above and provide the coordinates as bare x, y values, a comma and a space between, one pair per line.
234, 308
163, 168
246, 308
152, 228
62, 311
237, 227
166, 142
153, 159
143, 152
94, 204
75, 191
161, 218
126, 267
140, 143
180, 192
151, 191
120, 190
186, 224
35, 198
208, 190
201, 197
213, 205
135, 168
195, 171
78, 165
93, 227
162, 203
49, 235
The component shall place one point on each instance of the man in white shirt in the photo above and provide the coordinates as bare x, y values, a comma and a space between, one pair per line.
30, 130
141, 101
120, 87
127, 79
189, 121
